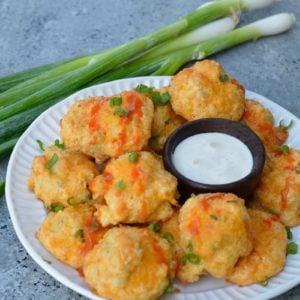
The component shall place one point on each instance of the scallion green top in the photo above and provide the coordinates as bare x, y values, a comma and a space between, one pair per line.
41, 145
156, 97
154, 227
133, 157
121, 185
115, 101
52, 161
59, 145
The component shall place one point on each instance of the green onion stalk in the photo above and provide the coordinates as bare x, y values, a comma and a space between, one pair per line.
9, 81
2, 188
168, 64
204, 33
7, 146
20, 121
73, 75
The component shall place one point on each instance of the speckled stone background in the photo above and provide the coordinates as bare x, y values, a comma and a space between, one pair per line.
34, 32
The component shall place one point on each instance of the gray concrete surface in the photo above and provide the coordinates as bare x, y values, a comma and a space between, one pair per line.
38, 31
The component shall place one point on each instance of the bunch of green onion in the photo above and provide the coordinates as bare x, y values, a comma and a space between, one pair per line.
205, 31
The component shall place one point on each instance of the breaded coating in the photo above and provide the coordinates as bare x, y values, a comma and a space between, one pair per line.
279, 187
269, 252
107, 127
165, 121
130, 263
170, 231
70, 234
261, 121
61, 176
134, 188
214, 233
206, 91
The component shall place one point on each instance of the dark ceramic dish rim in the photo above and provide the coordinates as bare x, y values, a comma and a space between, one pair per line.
173, 141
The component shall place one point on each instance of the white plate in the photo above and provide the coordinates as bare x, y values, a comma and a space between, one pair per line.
27, 213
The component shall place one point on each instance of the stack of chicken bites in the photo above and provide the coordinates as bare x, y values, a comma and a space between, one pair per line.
123, 227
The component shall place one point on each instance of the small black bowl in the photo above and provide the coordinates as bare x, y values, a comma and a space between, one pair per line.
243, 187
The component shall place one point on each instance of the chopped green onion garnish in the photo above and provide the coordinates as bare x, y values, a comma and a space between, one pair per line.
2, 188
87, 200
288, 126
264, 283
121, 184
224, 77
156, 97
169, 237
59, 145
289, 233
292, 248
56, 207
190, 257
47, 261
190, 247
121, 112
71, 202
271, 212
284, 149
52, 161
154, 227
144, 89
243, 122
115, 101
214, 217
165, 98
233, 201
133, 157
41, 145
170, 288
80, 234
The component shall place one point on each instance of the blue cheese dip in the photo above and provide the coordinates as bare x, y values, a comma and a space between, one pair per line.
212, 158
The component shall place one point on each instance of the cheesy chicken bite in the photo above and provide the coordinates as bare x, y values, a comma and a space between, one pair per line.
70, 233
134, 188
214, 234
206, 91
279, 187
261, 121
61, 176
130, 263
170, 231
269, 251
165, 121
107, 127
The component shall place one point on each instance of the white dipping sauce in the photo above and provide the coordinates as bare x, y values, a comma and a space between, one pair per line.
212, 158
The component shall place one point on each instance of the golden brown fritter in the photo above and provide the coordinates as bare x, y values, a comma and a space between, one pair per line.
107, 127
269, 252
170, 231
135, 188
206, 91
165, 121
279, 188
130, 263
61, 176
261, 121
214, 234
70, 233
